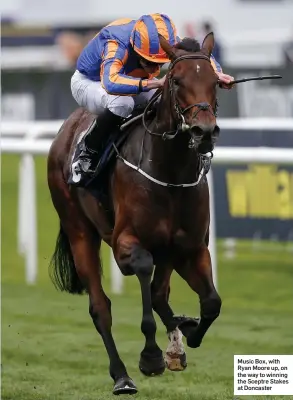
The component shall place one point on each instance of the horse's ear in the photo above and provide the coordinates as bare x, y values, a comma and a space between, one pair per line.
168, 49
208, 44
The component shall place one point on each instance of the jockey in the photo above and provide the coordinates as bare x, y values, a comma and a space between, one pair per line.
116, 72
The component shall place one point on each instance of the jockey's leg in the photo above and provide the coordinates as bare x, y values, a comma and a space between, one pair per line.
110, 110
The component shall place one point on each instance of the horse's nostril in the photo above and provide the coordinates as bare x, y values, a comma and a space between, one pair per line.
216, 131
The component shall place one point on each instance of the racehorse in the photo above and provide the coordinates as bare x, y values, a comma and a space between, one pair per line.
157, 214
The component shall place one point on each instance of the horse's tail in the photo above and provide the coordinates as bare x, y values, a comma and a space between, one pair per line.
62, 269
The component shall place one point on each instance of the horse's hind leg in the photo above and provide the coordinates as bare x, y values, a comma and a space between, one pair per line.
197, 271
84, 246
85, 256
133, 259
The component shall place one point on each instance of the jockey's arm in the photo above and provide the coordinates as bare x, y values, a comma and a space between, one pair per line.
114, 80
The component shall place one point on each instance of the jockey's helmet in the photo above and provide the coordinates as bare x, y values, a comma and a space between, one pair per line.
145, 36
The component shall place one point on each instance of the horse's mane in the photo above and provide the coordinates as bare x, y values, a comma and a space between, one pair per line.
188, 44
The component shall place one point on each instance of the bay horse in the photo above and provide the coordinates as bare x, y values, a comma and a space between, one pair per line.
157, 216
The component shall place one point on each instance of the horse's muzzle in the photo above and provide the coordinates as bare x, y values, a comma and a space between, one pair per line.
205, 137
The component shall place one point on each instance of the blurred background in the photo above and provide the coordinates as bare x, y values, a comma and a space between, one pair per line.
50, 348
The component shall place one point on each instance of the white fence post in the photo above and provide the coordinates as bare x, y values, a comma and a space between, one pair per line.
116, 276
212, 239
31, 256
27, 212
21, 226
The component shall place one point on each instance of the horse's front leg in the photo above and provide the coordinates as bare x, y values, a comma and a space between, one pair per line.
197, 271
132, 258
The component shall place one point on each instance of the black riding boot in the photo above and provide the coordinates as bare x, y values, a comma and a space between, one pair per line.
90, 148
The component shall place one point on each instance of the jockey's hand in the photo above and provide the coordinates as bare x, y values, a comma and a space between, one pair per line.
156, 83
162, 81
225, 81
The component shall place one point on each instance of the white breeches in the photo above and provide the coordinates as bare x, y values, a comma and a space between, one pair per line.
92, 96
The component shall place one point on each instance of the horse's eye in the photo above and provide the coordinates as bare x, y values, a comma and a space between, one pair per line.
176, 81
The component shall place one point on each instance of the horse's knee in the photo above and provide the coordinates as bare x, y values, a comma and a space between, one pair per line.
211, 306
135, 260
142, 262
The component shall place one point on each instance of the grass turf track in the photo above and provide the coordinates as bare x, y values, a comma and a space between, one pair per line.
50, 349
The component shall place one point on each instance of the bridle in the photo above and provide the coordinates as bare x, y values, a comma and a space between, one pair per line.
181, 125
204, 159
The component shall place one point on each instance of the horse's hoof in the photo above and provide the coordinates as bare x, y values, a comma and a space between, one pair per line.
175, 362
192, 339
151, 366
124, 385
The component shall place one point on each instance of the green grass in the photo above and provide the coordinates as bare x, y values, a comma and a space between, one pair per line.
50, 349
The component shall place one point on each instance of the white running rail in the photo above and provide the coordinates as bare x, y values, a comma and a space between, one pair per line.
32, 138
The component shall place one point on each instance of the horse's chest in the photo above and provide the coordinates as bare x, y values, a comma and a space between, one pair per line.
170, 220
